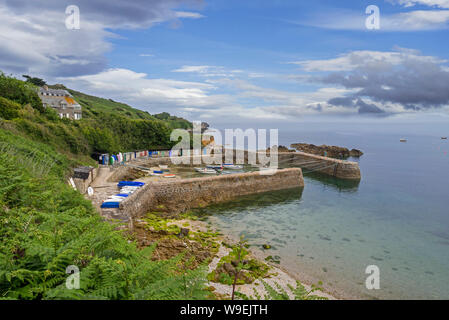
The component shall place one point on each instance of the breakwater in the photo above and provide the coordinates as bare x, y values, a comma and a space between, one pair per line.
341, 169
181, 195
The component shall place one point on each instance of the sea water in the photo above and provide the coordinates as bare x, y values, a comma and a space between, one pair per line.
396, 217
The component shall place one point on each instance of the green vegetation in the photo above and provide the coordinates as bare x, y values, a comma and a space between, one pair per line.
174, 121
19, 92
276, 292
156, 222
235, 262
106, 126
36, 81
45, 226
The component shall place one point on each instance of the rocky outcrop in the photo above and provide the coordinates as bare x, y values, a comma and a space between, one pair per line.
327, 151
282, 149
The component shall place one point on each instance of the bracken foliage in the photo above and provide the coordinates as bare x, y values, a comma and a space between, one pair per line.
106, 126
46, 226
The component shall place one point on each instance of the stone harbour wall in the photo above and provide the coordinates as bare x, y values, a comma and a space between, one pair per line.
341, 169
181, 195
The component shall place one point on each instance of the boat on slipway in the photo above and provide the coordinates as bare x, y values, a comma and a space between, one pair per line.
206, 170
231, 166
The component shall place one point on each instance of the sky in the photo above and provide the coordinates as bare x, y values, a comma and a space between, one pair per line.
241, 63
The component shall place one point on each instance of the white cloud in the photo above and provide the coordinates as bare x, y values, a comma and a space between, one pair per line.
430, 3
32, 44
365, 58
189, 15
397, 81
41, 45
418, 20
208, 71
218, 100
137, 88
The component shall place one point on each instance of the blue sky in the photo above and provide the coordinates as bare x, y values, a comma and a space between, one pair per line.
252, 61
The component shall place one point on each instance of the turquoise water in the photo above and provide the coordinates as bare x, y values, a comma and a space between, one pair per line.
397, 218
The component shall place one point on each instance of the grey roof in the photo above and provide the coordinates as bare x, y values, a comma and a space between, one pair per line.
55, 91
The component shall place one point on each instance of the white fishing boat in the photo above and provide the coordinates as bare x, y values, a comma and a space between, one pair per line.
231, 166
217, 168
163, 167
206, 170
115, 198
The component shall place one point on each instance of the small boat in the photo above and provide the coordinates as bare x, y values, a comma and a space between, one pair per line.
128, 190
163, 167
124, 195
110, 204
157, 173
403, 140
206, 170
170, 175
443, 138
130, 184
232, 171
114, 199
216, 167
231, 166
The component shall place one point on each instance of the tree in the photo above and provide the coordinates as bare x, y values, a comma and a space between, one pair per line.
36, 81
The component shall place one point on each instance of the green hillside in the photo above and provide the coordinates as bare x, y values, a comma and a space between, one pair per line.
46, 226
107, 126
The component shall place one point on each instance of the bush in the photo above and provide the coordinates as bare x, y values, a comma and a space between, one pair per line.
45, 226
8, 109
20, 92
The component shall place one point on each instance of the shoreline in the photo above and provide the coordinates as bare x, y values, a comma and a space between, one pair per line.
282, 274
279, 274
302, 277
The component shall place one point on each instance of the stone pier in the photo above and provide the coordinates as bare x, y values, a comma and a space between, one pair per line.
183, 194
341, 169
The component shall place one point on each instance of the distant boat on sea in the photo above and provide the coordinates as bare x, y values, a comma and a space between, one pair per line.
443, 138
403, 140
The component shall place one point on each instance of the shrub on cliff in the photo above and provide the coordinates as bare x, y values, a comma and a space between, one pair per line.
8, 109
45, 226
20, 92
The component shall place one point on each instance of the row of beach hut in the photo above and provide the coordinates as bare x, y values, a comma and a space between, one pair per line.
110, 159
